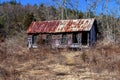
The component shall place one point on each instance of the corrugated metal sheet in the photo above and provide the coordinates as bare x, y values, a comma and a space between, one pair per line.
60, 26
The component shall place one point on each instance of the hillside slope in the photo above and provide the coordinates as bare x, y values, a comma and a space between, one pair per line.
101, 62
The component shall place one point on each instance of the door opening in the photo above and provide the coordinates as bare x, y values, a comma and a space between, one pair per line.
84, 38
75, 38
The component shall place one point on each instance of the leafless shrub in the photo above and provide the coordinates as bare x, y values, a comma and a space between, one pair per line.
4, 74
102, 58
2, 52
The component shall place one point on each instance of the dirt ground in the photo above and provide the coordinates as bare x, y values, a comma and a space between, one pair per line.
17, 62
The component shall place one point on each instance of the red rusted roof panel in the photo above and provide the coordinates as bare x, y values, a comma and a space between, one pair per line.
60, 26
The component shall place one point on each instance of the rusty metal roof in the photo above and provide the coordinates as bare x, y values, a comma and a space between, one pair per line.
58, 26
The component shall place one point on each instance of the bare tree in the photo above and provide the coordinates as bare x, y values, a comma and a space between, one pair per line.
64, 5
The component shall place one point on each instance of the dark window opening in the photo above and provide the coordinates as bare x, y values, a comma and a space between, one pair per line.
34, 37
84, 38
48, 39
75, 38
64, 38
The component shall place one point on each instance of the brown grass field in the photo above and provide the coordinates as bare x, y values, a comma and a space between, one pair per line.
101, 62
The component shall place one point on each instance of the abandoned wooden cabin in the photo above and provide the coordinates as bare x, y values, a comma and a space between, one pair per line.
76, 33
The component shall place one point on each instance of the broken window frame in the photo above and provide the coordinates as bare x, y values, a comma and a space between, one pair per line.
64, 39
34, 38
75, 38
48, 39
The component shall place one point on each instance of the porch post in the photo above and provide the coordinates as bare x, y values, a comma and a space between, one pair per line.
29, 41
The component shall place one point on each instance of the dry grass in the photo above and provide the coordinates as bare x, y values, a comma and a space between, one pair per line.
102, 58
101, 62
